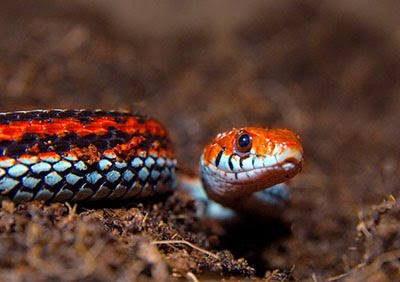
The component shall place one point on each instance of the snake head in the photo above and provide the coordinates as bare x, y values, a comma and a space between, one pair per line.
242, 161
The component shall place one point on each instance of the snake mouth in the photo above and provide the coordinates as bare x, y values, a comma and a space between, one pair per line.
287, 160
256, 173
275, 170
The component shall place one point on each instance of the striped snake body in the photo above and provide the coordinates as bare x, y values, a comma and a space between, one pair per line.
80, 155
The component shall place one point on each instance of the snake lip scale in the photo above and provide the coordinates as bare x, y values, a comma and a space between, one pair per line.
83, 155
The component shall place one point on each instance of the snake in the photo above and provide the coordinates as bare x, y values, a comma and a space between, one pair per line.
95, 155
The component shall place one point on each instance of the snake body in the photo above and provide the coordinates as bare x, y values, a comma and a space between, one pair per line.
81, 155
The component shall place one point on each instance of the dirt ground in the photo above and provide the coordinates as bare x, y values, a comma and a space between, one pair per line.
329, 75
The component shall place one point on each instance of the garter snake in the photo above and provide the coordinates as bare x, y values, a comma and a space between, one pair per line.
82, 155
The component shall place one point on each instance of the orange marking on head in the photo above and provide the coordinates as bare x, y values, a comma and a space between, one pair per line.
264, 141
230, 179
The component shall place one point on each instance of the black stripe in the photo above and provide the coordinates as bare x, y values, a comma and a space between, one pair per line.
230, 162
241, 163
218, 158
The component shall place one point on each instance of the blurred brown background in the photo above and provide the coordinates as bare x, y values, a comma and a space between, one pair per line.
327, 69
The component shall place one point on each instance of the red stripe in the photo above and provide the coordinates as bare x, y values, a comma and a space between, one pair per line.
15, 130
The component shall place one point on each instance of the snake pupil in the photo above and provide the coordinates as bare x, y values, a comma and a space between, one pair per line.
243, 142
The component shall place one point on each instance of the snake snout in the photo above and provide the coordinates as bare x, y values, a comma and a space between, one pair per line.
291, 161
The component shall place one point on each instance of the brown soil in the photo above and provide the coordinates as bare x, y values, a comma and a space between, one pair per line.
330, 76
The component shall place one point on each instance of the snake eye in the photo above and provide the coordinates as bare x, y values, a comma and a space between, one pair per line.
243, 142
